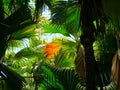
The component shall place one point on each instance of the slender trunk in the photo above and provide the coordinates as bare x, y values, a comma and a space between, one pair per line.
87, 40
89, 63
90, 68
91, 10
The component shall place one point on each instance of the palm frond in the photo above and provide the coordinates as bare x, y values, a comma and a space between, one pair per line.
17, 18
17, 38
13, 80
66, 16
66, 56
35, 42
105, 72
68, 77
12, 44
64, 79
26, 32
28, 52
45, 79
53, 28
59, 12
72, 20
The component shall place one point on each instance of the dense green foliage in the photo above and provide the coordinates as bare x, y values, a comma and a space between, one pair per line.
23, 26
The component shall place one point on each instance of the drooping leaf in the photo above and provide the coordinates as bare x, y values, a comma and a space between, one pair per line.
18, 19
27, 52
26, 32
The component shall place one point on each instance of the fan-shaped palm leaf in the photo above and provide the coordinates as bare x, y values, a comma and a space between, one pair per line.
62, 6
53, 28
45, 79
15, 46
26, 32
66, 56
35, 42
67, 18
67, 77
28, 52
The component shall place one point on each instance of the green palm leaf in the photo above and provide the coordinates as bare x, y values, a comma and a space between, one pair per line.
26, 32
53, 28
45, 78
68, 78
14, 44
35, 42
66, 56
65, 19
60, 11
28, 52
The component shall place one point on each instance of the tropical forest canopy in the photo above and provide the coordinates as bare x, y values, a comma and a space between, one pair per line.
58, 44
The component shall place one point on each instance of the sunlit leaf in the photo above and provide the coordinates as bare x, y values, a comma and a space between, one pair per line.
26, 52
53, 28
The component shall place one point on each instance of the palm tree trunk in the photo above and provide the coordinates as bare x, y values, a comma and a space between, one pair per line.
89, 63
87, 40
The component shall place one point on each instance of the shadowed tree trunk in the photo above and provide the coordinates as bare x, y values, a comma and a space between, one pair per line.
91, 10
87, 40
90, 62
